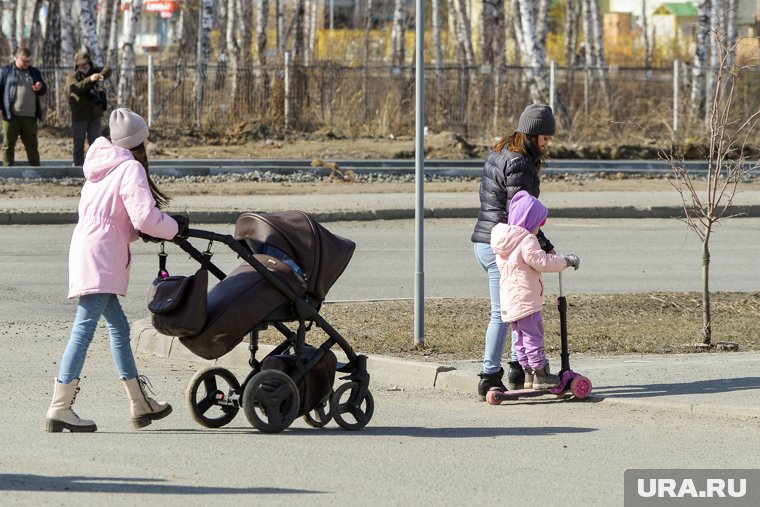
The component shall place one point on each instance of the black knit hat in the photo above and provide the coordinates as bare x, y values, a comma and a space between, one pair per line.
537, 120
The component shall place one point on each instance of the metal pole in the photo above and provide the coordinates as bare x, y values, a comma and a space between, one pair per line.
676, 98
419, 177
332, 16
287, 89
552, 69
150, 90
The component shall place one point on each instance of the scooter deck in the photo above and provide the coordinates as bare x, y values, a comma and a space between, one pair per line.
577, 384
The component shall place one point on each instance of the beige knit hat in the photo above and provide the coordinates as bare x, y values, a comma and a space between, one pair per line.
128, 129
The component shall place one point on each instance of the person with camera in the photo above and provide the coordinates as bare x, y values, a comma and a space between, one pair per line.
87, 100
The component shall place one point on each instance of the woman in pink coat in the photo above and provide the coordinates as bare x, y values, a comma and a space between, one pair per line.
521, 262
118, 202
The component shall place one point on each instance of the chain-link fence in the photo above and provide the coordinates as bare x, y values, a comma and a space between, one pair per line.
352, 101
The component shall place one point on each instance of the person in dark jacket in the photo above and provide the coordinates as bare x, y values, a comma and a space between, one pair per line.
513, 165
87, 99
22, 86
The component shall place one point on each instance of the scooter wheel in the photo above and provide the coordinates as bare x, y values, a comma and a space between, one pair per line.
581, 387
492, 399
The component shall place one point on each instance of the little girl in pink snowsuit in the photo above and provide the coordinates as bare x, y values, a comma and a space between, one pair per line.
521, 262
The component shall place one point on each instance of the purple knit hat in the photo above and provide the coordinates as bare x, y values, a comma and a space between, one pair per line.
526, 211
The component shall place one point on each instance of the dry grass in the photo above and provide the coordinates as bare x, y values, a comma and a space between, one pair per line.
597, 324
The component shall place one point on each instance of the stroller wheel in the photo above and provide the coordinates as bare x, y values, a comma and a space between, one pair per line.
348, 411
320, 416
207, 396
271, 401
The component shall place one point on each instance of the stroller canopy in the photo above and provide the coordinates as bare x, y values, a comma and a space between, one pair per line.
322, 255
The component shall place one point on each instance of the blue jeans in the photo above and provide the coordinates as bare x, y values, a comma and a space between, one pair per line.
89, 311
496, 332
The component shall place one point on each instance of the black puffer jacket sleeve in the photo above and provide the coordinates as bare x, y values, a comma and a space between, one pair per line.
504, 174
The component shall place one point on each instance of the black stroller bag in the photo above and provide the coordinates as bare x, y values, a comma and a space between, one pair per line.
316, 385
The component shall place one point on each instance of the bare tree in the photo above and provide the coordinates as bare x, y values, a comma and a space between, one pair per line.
731, 30
597, 36
88, 25
36, 30
18, 23
127, 71
726, 139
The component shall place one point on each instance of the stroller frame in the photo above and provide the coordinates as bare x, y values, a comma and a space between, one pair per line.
264, 393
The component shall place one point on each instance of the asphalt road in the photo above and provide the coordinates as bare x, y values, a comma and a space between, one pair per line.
617, 256
422, 447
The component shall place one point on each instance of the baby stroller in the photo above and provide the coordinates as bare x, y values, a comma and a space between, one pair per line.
290, 263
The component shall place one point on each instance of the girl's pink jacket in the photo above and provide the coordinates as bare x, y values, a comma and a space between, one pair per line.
521, 262
116, 203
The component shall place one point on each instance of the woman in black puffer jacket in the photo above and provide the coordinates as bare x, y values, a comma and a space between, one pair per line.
514, 164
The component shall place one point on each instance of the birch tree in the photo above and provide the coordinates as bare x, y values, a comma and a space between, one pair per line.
645, 35
731, 30
246, 30
13, 40
398, 34
18, 23
88, 25
534, 54
233, 18
365, 77
105, 16
67, 32
113, 36
262, 18
699, 62
36, 30
206, 24
282, 36
598, 37
712, 63
464, 31
311, 46
51, 49
487, 31
126, 76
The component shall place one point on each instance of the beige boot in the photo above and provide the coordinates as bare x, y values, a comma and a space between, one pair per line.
60, 416
544, 380
145, 409
529, 377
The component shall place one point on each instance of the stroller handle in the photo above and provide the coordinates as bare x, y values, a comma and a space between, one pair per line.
561, 287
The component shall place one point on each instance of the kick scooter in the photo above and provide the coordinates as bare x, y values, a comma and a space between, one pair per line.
577, 384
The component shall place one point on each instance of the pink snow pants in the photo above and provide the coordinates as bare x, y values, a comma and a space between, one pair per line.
529, 340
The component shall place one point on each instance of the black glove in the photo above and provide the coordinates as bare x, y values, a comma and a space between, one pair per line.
150, 239
182, 222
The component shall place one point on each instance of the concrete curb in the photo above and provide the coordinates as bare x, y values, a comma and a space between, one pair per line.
384, 370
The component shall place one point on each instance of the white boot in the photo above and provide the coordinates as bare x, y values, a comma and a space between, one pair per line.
60, 416
145, 409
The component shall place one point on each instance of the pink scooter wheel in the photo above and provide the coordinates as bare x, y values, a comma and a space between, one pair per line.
491, 398
581, 387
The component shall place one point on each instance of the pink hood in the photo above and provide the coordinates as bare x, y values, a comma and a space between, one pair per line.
116, 203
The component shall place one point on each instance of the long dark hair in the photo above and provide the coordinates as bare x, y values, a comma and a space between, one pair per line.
524, 144
141, 155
